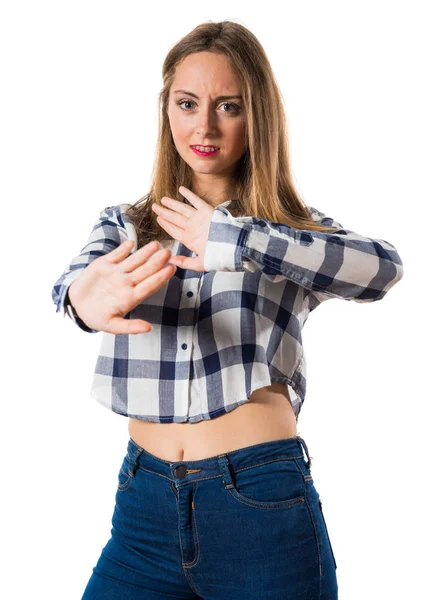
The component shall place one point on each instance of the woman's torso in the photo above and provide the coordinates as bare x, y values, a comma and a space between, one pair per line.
268, 415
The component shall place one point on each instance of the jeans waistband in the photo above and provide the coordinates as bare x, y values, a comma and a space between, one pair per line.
190, 470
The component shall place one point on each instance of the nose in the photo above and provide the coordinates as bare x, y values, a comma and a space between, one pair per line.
207, 120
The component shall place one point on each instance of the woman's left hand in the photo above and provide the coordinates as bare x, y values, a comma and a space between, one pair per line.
189, 226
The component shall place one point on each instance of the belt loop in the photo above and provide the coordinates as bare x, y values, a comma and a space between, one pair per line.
225, 471
134, 460
301, 441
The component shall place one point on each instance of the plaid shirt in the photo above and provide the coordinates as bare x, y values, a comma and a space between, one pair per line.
218, 335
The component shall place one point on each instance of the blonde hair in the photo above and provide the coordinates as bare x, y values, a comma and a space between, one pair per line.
262, 185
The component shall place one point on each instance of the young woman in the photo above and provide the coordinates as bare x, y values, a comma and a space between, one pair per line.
202, 289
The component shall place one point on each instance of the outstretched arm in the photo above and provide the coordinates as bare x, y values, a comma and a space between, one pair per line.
110, 230
340, 264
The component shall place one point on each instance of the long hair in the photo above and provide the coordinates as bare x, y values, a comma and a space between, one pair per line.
262, 185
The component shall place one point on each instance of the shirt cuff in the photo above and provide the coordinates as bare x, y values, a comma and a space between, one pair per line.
226, 239
68, 308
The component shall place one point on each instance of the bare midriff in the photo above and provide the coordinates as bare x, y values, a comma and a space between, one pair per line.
267, 415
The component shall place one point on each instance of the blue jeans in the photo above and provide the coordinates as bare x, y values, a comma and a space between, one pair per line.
244, 525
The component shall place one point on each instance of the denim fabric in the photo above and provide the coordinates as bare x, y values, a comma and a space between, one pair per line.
244, 525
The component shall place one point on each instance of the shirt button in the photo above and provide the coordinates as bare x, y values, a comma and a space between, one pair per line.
183, 346
189, 294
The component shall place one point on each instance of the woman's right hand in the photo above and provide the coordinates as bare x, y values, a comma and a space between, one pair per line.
111, 285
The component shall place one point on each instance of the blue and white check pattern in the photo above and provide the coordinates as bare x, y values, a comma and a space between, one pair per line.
219, 335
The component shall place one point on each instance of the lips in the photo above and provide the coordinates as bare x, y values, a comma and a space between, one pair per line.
208, 153
196, 146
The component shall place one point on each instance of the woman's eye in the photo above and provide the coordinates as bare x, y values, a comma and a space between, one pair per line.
236, 108
185, 102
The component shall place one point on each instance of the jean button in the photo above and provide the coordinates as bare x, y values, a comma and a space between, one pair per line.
180, 471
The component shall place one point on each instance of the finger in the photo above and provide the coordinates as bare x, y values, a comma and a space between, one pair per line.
178, 260
144, 254
117, 255
153, 265
176, 232
192, 264
194, 199
152, 283
128, 326
172, 216
179, 207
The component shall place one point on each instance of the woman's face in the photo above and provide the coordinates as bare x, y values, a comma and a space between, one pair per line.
198, 116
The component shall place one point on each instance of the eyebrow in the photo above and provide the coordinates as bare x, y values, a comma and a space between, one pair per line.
194, 95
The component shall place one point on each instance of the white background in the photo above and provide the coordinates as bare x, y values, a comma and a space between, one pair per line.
78, 131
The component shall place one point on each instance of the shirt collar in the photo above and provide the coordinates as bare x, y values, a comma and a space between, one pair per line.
226, 203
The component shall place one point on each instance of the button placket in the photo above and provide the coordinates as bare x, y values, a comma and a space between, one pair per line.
190, 294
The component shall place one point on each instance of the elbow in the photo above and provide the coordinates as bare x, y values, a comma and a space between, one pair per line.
55, 296
385, 281
394, 274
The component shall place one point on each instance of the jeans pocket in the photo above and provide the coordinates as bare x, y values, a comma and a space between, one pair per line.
273, 484
327, 534
125, 475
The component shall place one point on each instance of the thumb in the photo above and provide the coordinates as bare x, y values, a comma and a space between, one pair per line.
179, 261
187, 262
129, 326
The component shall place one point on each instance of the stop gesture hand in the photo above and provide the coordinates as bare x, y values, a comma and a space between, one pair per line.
189, 225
